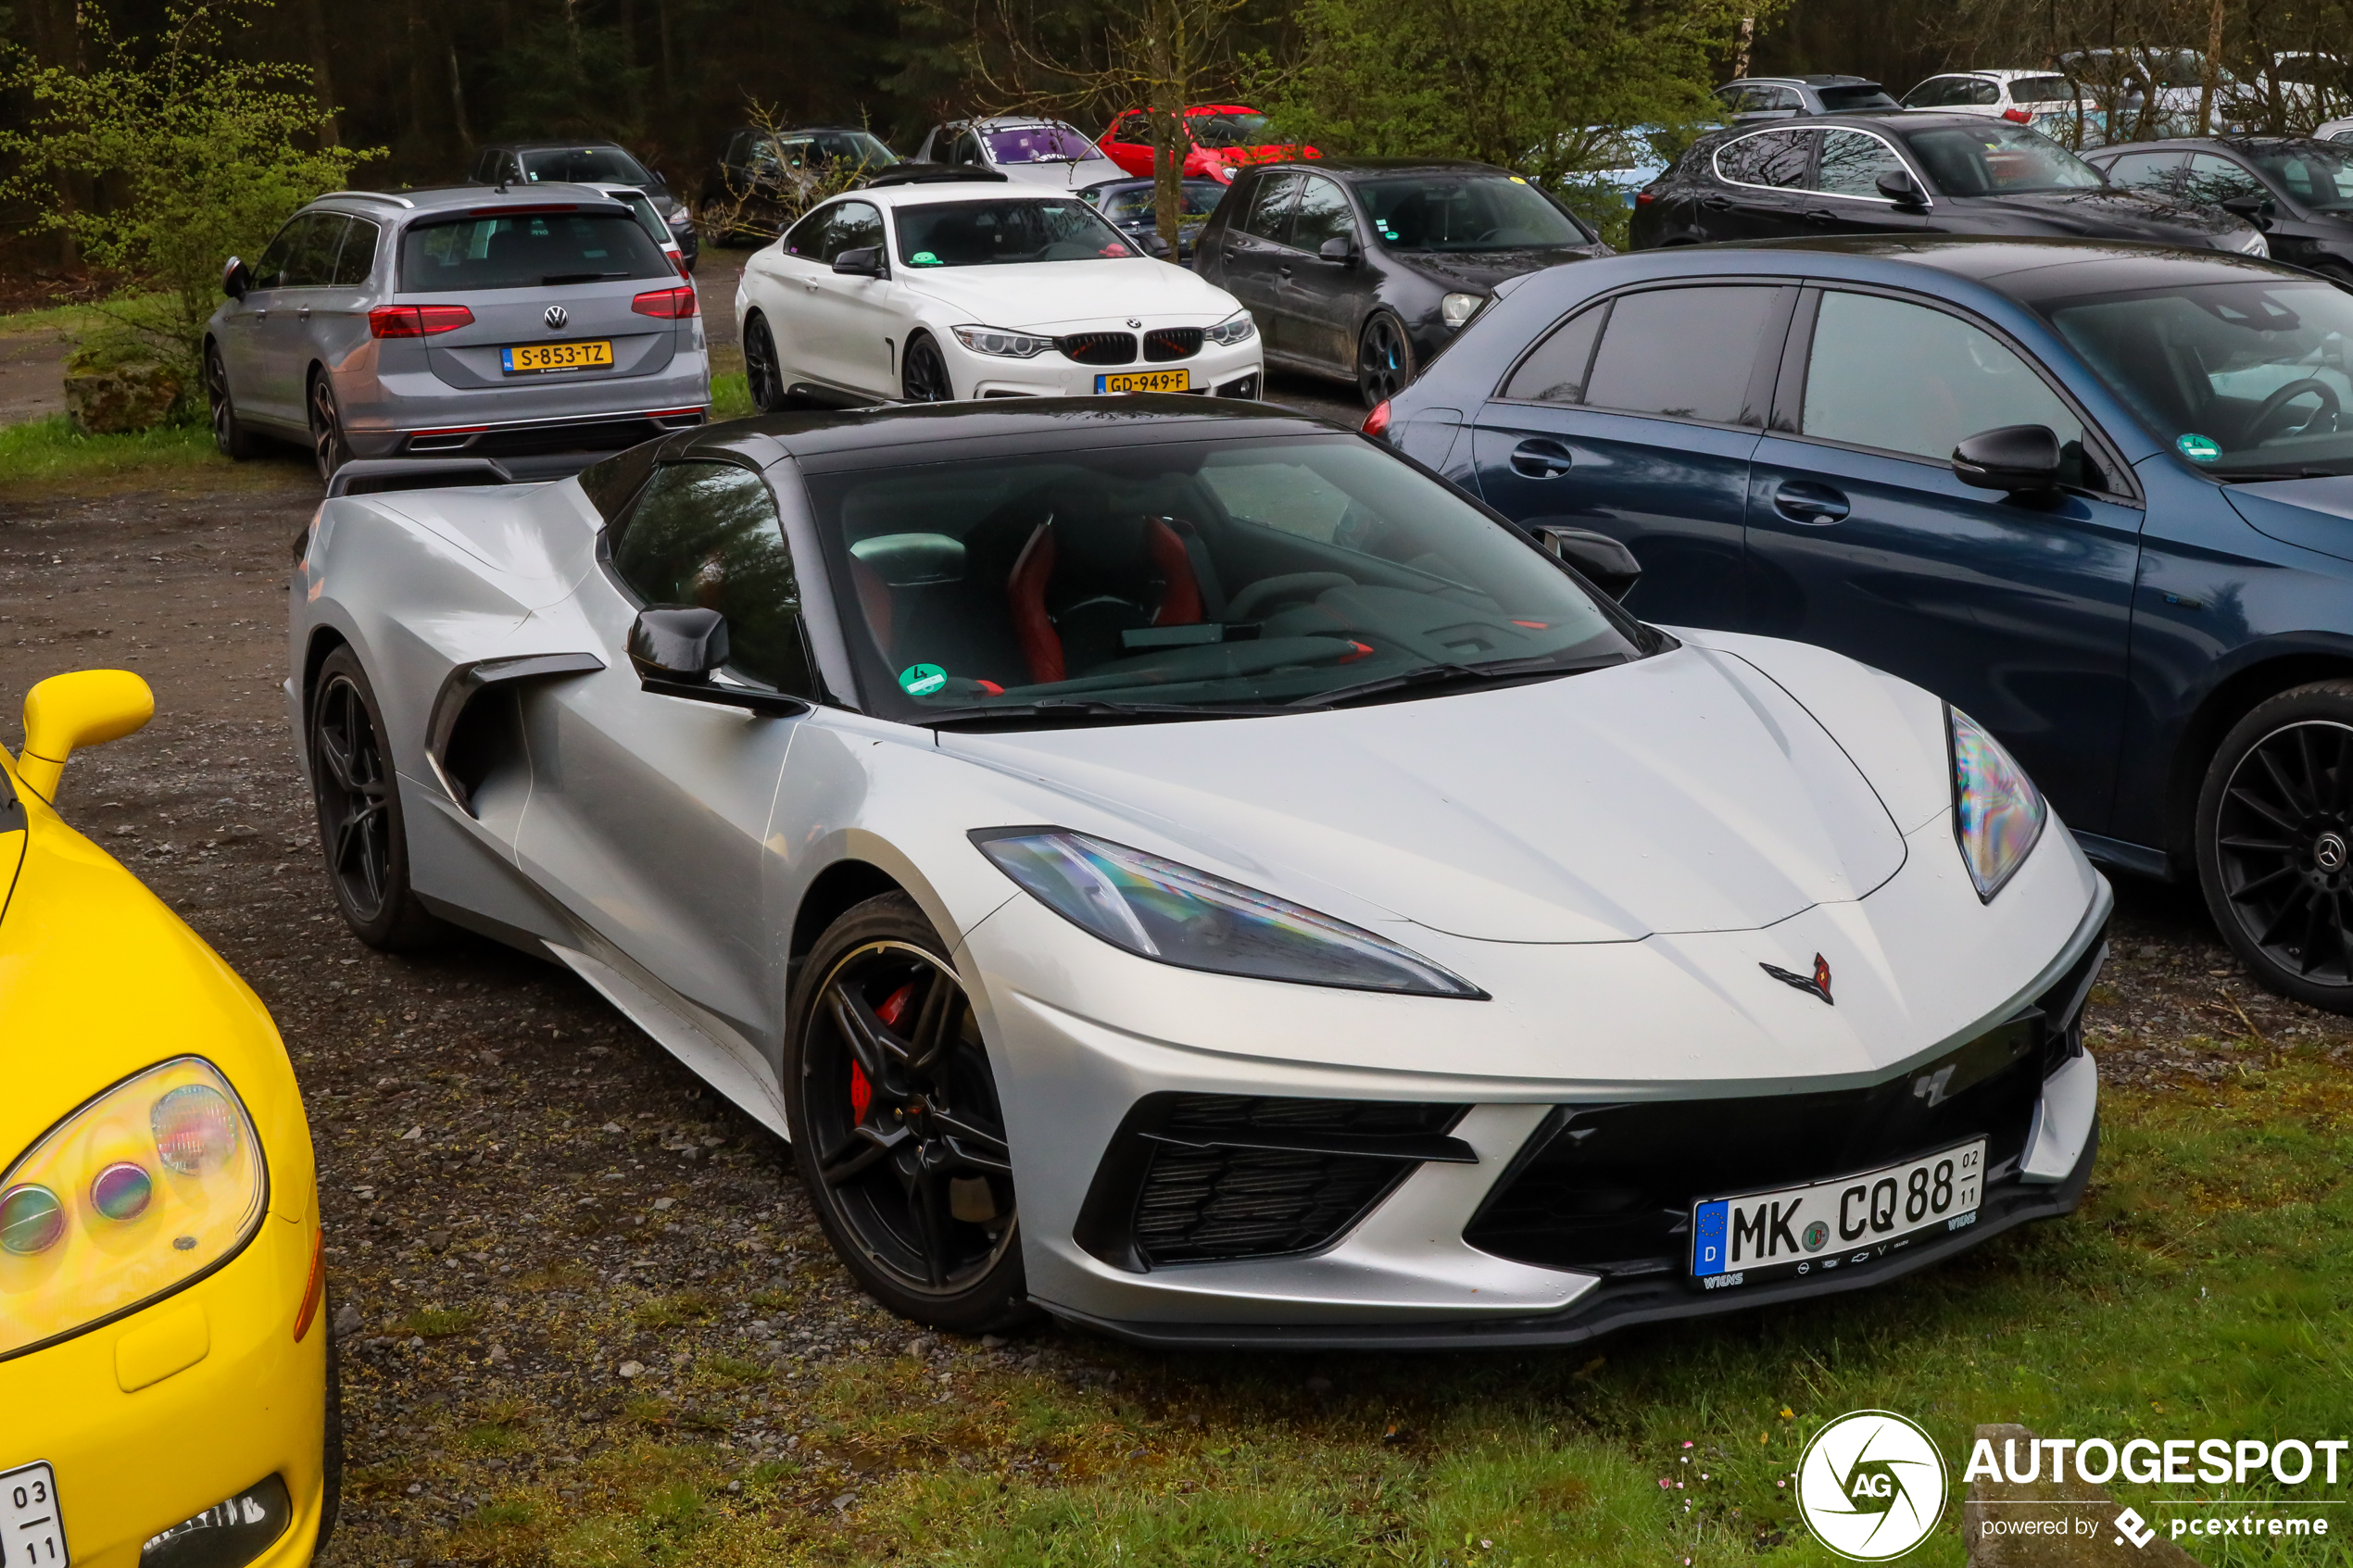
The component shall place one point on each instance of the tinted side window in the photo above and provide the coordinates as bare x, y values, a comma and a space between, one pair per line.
311, 262
966, 150
1768, 157
1903, 377
1555, 372
2146, 171
809, 237
1683, 353
270, 272
1852, 161
707, 533
1322, 214
1936, 92
857, 226
357, 261
1269, 215
2213, 179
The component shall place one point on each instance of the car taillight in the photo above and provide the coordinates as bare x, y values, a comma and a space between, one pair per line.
2019, 116
1643, 198
417, 320
678, 259
1378, 421
669, 303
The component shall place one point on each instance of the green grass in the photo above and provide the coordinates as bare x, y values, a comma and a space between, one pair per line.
72, 320
48, 454
2201, 1291
669, 1311
730, 398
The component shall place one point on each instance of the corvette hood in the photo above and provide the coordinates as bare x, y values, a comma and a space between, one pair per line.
1683, 793
1049, 295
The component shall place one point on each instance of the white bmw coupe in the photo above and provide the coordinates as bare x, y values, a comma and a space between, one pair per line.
955, 284
1185, 867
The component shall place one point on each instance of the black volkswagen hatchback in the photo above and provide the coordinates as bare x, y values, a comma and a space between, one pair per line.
1363, 268
2299, 192
1909, 175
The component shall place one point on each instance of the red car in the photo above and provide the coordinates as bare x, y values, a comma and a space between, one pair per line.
1219, 138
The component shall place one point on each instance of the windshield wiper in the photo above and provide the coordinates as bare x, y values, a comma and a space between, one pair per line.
554, 278
1079, 710
1452, 674
2259, 475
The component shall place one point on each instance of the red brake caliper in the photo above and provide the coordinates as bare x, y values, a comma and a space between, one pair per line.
861, 1093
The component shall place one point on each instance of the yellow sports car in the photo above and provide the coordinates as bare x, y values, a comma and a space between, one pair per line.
164, 1384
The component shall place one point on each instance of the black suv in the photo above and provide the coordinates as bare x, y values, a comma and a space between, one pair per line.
586, 163
2299, 192
766, 178
1919, 173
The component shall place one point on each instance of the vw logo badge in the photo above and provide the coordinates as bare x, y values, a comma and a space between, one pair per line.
556, 317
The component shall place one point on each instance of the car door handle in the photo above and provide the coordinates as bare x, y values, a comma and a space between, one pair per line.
1716, 204
1541, 459
1817, 505
1823, 215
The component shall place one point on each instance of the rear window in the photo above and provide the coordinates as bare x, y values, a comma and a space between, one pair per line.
1846, 100
2041, 89
526, 249
584, 166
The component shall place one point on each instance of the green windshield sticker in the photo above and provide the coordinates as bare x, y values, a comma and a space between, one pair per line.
921, 680
924, 258
2199, 449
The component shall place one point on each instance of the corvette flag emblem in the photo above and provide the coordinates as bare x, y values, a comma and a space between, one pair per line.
1818, 981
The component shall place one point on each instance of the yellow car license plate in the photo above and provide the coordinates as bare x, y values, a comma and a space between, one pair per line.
527, 358
1145, 381
29, 1530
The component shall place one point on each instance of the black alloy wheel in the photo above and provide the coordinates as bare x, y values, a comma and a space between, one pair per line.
327, 444
228, 432
896, 1126
2275, 842
361, 827
1384, 360
923, 375
765, 377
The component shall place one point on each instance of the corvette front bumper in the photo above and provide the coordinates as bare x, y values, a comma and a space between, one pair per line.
1396, 1266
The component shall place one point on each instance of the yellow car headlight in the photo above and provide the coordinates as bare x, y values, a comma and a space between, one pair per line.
147, 1187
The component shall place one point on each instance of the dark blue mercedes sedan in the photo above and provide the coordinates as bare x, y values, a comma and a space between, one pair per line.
2098, 495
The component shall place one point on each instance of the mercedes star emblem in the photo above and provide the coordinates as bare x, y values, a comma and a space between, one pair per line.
556, 317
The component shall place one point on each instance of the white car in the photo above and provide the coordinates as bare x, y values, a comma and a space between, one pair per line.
2043, 99
2334, 131
933, 287
1027, 150
1184, 867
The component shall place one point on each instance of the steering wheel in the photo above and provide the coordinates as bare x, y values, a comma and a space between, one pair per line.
2260, 426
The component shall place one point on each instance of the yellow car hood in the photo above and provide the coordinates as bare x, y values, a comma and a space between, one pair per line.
99, 980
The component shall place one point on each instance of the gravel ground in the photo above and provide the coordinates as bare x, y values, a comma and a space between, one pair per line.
546, 1239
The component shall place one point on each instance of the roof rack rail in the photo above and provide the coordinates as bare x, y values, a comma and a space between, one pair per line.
375, 196
913, 173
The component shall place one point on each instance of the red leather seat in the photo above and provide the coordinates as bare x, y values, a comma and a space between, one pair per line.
1076, 587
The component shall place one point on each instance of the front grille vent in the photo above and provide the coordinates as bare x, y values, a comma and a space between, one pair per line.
1209, 1178
1098, 348
1163, 343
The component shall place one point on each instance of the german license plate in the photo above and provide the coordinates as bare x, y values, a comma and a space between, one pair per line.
1834, 1224
531, 358
1145, 381
31, 1531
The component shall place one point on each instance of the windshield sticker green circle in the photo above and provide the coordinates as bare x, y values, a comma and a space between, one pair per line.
921, 680
2199, 449
924, 258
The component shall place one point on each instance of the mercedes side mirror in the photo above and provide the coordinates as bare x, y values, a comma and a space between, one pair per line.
1898, 186
679, 644
1339, 250
864, 262
234, 279
1603, 562
2014, 457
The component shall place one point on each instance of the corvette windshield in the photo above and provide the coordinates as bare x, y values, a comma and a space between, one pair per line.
2245, 380
1005, 233
1197, 577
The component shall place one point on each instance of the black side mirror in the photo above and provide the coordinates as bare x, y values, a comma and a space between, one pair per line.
236, 281
1338, 249
2255, 206
1605, 561
674, 648
864, 262
679, 644
1898, 186
2014, 457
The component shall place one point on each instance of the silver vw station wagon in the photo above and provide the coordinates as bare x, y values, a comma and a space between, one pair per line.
525, 327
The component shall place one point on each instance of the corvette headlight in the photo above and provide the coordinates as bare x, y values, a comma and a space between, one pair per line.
1172, 913
1233, 329
1457, 309
146, 1187
1003, 344
1997, 812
